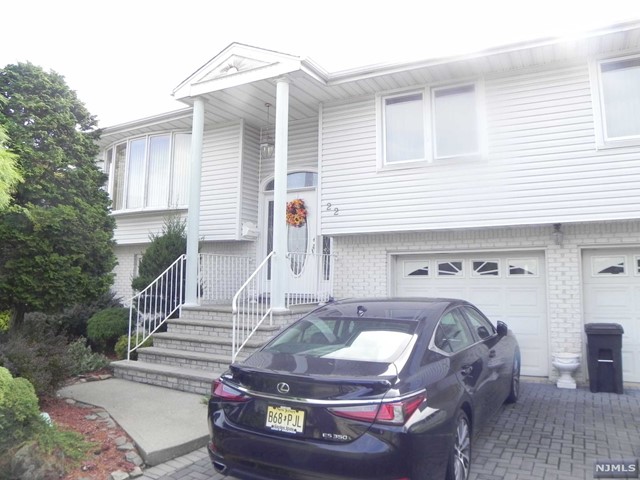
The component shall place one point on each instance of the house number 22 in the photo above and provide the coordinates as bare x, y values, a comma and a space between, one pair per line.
334, 209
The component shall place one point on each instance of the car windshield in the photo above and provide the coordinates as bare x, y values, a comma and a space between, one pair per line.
344, 338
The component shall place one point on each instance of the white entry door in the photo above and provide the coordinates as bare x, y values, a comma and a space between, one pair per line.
302, 244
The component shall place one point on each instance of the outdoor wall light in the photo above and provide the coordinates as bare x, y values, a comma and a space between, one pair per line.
558, 234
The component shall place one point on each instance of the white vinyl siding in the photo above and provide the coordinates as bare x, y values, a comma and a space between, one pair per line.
220, 183
250, 175
135, 228
541, 165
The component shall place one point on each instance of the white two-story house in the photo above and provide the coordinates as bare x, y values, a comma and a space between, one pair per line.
508, 177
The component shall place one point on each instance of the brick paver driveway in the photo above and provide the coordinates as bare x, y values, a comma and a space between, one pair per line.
549, 434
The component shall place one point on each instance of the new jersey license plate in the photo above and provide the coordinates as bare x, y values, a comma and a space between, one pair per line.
285, 419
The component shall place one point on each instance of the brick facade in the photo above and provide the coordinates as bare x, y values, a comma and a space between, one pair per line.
363, 266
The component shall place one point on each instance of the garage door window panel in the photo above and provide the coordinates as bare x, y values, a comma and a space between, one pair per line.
608, 265
415, 269
485, 268
523, 267
452, 268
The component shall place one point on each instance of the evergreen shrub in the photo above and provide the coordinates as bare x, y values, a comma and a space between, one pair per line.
105, 327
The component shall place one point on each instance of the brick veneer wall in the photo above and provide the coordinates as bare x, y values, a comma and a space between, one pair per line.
363, 265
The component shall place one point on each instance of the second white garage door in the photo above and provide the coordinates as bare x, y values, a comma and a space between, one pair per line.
507, 286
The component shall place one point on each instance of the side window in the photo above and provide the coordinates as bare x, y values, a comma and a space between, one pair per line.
479, 324
452, 334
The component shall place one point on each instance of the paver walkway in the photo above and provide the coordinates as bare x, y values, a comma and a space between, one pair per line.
549, 434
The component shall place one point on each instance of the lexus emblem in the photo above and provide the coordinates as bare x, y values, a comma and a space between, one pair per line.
283, 387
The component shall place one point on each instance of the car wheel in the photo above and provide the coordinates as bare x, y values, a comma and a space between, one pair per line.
460, 458
514, 393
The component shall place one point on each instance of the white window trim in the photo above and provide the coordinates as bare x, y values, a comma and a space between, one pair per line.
380, 129
428, 112
478, 86
595, 80
125, 189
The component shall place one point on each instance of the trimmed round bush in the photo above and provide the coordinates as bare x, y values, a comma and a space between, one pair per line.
19, 412
105, 327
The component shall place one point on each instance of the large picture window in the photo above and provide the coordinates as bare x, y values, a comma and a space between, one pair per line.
620, 98
149, 172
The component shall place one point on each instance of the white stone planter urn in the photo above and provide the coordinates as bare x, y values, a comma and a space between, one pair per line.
566, 364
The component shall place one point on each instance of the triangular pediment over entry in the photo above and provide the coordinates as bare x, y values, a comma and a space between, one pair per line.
236, 65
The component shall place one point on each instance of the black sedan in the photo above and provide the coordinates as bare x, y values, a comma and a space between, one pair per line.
365, 389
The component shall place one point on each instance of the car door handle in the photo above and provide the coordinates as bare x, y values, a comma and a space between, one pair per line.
492, 354
466, 370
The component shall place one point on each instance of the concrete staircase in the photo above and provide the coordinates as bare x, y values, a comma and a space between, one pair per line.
195, 349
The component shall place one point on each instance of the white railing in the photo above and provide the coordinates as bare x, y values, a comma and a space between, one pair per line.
151, 307
221, 276
251, 306
312, 280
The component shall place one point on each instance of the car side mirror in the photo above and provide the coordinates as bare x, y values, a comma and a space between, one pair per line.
502, 329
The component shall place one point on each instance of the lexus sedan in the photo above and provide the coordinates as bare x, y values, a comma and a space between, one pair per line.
371, 389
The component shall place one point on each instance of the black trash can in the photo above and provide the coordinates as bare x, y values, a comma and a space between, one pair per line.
604, 356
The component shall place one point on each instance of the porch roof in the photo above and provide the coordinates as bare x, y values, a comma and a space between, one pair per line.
240, 80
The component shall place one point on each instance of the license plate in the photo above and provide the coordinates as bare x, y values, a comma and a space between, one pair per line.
285, 419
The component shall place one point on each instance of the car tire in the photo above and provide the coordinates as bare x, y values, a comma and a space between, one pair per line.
460, 456
514, 392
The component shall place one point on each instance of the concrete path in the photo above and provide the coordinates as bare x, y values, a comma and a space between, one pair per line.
550, 434
163, 423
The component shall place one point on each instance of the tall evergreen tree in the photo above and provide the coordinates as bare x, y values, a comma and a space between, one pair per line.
9, 174
56, 237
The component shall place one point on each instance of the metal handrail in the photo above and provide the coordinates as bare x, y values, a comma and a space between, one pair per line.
251, 305
151, 307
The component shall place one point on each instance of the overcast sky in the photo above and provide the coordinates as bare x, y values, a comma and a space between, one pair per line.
124, 58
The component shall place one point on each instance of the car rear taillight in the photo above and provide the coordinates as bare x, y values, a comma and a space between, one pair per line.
224, 393
393, 413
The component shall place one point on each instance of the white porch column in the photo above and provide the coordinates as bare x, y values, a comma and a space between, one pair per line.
279, 264
193, 217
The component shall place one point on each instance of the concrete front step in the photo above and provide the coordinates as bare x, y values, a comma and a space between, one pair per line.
221, 329
177, 378
199, 343
185, 359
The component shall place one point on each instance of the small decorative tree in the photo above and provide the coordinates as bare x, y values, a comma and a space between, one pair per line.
165, 248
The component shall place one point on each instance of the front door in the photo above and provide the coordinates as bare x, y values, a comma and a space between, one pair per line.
302, 245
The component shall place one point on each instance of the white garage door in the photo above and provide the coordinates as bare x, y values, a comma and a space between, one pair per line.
612, 295
508, 286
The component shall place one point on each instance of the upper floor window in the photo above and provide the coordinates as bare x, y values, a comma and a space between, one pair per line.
455, 121
619, 92
442, 122
403, 128
149, 172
